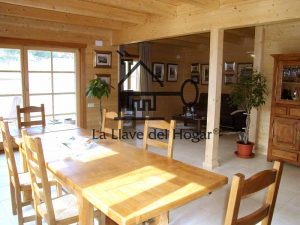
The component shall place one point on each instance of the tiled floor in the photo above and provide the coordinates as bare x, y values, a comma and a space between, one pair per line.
208, 210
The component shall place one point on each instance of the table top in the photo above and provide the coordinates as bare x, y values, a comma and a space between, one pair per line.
126, 183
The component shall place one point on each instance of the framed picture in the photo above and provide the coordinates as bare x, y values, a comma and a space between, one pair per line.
229, 67
205, 74
104, 77
172, 72
195, 68
102, 59
244, 69
230, 78
158, 71
195, 78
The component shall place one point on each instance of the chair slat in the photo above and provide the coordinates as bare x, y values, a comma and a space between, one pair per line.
160, 124
158, 144
30, 109
259, 181
32, 123
254, 217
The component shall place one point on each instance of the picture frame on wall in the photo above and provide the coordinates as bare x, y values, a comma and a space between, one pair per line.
158, 70
195, 68
229, 67
195, 78
102, 59
172, 72
104, 77
205, 74
230, 78
244, 69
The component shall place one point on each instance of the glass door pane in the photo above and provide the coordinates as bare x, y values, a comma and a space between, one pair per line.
10, 83
289, 87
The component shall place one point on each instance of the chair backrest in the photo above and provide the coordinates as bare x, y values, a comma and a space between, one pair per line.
242, 187
9, 154
163, 125
109, 130
26, 111
39, 179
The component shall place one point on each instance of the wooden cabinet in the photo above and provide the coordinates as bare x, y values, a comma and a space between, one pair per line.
284, 138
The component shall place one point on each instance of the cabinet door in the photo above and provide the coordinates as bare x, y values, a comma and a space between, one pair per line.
286, 134
288, 82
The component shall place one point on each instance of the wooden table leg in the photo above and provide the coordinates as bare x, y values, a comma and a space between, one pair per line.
162, 219
86, 212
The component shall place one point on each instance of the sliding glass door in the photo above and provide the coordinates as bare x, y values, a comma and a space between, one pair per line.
38, 76
52, 81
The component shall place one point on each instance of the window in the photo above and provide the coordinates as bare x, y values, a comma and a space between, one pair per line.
52, 81
133, 82
10, 82
49, 78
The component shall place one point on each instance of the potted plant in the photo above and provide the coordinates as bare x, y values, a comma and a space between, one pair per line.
250, 92
98, 88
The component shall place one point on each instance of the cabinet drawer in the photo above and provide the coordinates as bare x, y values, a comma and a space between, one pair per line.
291, 156
295, 112
280, 111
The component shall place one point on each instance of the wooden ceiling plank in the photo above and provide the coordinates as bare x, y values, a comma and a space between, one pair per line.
179, 43
47, 15
203, 3
145, 6
84, 9
52, 26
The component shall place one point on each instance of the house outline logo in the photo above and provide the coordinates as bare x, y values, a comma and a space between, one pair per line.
150, 97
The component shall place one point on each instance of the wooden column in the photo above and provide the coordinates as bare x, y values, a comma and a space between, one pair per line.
257, 64
214, 97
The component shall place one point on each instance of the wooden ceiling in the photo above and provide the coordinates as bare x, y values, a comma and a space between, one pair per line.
108, 14
129, 21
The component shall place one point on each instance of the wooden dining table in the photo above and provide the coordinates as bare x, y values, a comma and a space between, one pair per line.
127, 184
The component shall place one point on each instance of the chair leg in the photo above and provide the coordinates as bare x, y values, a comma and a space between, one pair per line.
58, 189
13, 198
19, 209
38, 220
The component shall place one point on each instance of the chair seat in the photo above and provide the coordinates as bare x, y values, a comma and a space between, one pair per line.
24, 179
65, 208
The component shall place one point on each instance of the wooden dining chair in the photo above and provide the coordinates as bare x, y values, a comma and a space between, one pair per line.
18, 182
110, 116
54, 211
60, 210
242, 188
163, 125
26, 112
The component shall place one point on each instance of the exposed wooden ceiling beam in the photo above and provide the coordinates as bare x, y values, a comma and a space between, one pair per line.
84, 9
153, 7
51, 26
244, 14
180, 43
47, 15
